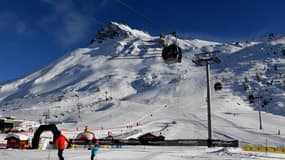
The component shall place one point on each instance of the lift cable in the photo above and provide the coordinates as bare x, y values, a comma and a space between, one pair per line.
138, 13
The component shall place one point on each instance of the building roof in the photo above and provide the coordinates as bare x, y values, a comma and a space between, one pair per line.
17, 136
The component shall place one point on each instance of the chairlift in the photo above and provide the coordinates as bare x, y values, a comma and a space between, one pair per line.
251, 98
172, 54
265, 103
218, 86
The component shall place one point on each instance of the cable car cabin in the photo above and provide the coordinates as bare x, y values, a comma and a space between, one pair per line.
218, 86
172, 54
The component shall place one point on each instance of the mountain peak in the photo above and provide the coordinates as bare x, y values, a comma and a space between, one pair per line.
114, 30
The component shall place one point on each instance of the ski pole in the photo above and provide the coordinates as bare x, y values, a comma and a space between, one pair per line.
48, 154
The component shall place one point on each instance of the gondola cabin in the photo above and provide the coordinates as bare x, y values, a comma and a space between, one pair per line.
172, 54
218, 86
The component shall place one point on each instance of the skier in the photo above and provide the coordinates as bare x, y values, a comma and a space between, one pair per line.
60, 142
94, 150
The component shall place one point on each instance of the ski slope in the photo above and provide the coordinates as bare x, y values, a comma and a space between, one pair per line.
121, 84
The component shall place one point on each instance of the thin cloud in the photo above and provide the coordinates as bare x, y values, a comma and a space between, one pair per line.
66, 22
11, 21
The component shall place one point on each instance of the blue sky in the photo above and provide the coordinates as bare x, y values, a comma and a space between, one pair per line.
35, 33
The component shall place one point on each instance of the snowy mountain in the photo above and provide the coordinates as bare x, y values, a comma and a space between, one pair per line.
120, 80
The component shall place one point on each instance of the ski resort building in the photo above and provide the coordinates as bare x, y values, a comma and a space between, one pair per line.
11, 124
16, 140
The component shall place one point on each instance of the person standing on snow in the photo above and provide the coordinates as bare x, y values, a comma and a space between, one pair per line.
94, 150
60, 142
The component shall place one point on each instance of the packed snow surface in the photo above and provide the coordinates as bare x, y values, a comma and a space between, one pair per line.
120, 83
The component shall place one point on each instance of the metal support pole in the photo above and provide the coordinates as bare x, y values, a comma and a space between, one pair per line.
259, 114
201, 58
78, 107
209, 105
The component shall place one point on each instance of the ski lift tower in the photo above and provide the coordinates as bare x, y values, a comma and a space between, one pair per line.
202, 59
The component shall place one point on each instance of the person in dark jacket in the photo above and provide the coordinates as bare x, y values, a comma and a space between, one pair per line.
60, 142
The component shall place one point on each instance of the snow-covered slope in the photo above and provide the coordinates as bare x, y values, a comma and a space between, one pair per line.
121, 80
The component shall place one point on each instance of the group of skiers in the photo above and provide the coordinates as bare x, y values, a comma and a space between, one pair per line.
60, 142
